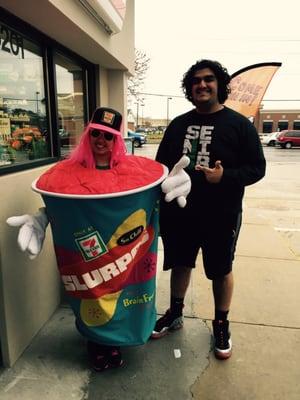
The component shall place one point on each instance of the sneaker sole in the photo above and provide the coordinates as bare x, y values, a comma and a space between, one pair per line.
107, 367
223, 354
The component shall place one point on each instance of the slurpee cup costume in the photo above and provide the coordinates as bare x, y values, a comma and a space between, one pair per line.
105, 230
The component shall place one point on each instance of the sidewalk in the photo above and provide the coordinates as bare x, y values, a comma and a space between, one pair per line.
265, 325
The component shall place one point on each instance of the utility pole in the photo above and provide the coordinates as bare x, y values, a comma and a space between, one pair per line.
137, 114
168, 99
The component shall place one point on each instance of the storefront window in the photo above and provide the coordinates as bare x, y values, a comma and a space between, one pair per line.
282, 125
23, 117
296, 125
267, 126
70, 100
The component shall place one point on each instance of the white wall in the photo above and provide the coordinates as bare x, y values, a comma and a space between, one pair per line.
29, 289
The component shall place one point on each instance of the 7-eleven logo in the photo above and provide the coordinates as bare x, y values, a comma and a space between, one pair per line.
91, 246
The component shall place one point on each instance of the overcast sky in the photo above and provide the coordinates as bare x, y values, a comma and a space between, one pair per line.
176, 33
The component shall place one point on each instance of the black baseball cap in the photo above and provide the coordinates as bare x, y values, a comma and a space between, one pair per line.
107, 119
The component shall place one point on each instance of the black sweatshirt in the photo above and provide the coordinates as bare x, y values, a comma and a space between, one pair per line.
205, 138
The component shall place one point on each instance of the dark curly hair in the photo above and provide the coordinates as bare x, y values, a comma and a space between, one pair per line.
220, 72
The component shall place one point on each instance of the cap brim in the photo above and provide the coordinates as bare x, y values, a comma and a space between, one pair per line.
104, 128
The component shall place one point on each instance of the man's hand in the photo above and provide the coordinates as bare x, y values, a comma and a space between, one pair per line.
32, 231
213, 175
177, 185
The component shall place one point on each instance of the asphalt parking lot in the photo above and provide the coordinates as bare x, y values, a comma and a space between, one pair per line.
276, 197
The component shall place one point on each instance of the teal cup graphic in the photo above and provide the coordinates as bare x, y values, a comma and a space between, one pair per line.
106, 250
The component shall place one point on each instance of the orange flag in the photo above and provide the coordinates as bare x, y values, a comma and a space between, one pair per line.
248, 86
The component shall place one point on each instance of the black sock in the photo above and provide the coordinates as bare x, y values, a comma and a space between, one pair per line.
221, 315
177, 305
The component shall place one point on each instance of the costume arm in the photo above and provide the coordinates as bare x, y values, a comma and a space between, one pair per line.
32, 231
177, 185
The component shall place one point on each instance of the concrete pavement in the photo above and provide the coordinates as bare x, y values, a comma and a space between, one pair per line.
265, 325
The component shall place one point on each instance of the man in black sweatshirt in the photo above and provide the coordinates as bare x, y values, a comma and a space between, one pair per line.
225, 156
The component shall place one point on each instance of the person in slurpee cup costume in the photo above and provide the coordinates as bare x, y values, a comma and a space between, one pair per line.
102, 205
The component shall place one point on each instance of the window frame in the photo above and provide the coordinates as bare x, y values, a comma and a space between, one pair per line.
49, 47
267, 123
283, 124
296, 125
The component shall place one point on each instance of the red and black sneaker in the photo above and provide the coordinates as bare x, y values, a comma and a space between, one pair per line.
223, 343
115, 357
103, 357
167, 323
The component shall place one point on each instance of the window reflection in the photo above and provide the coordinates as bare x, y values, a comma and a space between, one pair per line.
69, 84
23, 120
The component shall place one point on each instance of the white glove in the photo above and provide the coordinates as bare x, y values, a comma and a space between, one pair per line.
177, 184
32, 232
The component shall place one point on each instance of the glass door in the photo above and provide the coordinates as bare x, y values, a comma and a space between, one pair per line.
71, 106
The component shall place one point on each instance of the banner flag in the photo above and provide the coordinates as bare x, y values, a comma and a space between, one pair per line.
248, 86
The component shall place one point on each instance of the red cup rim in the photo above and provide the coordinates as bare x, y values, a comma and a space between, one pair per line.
104, 195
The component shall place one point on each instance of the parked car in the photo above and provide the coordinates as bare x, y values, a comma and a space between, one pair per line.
138, 138
288, 139
141, 130
269, 139
64, 137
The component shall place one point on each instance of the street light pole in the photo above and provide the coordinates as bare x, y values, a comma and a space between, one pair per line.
168, 98
37, 102
142, 105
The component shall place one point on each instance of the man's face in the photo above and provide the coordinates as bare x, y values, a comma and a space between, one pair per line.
205, 89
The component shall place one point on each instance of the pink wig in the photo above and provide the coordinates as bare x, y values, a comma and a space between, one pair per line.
83, 153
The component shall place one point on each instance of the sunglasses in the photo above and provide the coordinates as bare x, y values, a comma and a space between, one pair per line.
107, 135
207, 79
